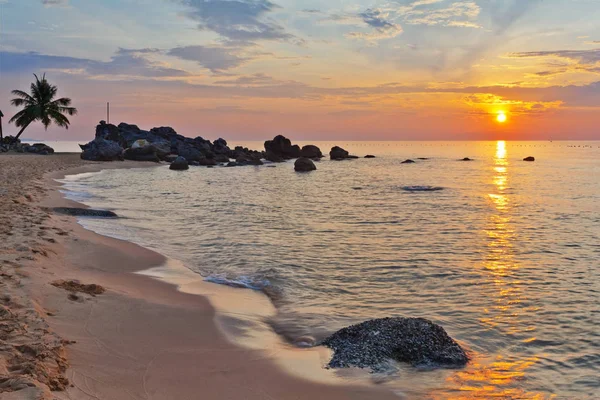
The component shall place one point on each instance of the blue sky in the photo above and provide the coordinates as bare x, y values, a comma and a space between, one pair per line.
247, 69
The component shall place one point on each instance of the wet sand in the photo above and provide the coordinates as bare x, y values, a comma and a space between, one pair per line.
140, 339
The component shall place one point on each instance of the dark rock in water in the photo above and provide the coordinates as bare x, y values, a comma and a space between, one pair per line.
208, 162
416, 341
273, 157
337, 153
85, 212
281, 148
369, 156
422, 158
221, 158
232, 164
180, 164
304, 164
529, 159
170, 158
102, 150
245, 159
422, 188
189, 152
408, 162
311, 151
466, 159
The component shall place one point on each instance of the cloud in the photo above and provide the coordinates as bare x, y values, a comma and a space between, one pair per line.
237, 20
581, 56
125, 62
55, 3
379, 21
216, 59
458, 14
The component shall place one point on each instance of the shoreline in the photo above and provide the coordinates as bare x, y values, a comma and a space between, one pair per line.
144, 338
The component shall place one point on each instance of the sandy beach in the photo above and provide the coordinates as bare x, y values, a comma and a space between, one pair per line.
139, 339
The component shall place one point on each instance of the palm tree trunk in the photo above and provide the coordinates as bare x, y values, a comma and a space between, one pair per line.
1, 136
22, 129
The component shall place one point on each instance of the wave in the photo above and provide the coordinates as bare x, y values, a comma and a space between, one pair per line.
422, 188
262, 285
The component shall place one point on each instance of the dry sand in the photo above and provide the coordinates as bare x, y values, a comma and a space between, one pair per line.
128, 337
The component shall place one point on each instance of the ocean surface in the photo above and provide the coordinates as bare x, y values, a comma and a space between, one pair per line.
504, 254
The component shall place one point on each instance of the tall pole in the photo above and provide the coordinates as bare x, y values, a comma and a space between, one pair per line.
108, 113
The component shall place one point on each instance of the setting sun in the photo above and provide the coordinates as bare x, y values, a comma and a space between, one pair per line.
501, 117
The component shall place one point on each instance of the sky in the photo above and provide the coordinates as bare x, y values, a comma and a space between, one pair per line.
312, 70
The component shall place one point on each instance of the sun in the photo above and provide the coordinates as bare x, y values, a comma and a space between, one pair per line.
501, 117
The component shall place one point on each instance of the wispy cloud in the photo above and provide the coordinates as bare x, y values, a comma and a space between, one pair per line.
379, 21
216, 59
55, 3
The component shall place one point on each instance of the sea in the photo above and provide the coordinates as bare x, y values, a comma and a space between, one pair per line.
503, 253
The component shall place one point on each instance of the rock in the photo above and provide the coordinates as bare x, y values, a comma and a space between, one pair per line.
170, 158
101, 149
110, 132
281, 147
146, 153
416, 341
220, 147
221, 158
208, 162
232, 164
466, 159
189, 152
369, 156
248, 160
304, 164
85, 212
39, 148
180, 164
408, 162
529, 159
273, 157
337, 153
311, 151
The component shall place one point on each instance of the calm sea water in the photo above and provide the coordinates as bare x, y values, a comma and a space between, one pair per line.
505, 255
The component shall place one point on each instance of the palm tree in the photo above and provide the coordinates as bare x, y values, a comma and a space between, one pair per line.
40, 105
1, 116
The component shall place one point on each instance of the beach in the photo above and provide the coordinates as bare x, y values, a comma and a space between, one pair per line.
140, 339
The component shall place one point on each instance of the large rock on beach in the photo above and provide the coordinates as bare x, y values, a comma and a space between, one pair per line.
529, 159
416, 341
101, 149
409, 161
304, 164
146, 153
180, 164
39, 148
311, 151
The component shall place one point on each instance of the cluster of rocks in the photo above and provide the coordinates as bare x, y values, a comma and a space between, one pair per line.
11, 143
129, 142
372, 344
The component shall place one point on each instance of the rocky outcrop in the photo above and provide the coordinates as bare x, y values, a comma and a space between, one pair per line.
247, 159
466, 159
337, 153
180, 164
312, 152
416, 341
529, 159
11, 143
101, 149
369, 156
280, 149
304, 164
84, 212
408, 162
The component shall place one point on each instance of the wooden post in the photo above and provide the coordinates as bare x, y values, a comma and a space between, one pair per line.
1, 115
108, 113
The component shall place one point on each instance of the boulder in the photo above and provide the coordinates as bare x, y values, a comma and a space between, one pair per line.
146, 153
337, 153
40, 148
529, 159
304, 164
248, 160
110, 132
101, 150
189, 152
221, 158
208, 162
274, 157
220, 147
369, 156
170, 158
311, 151
281, 147
466, 159
408, 162
232, 164
180, 164
416, 341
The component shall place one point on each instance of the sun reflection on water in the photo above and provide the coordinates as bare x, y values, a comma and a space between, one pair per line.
499, 377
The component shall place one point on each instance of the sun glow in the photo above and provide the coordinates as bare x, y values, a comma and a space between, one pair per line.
501, 117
